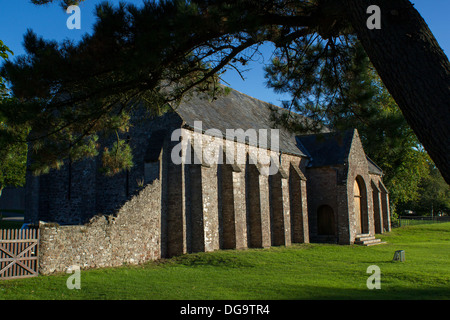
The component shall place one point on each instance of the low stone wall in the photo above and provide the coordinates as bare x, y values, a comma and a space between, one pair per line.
131, 236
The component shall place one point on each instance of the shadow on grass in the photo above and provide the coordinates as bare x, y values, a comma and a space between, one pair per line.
202, 259
385, 293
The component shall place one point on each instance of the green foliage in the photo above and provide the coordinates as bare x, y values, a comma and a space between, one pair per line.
13, 159
4, 50
13, 149
323, 78
433, 194
164, 51
118, 159
72, 95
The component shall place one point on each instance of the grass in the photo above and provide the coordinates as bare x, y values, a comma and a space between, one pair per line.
412, 222
307, 271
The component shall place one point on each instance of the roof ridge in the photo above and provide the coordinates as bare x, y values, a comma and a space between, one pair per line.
326, 133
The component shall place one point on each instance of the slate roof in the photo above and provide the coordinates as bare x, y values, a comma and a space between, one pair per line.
332, 148
236, 111
326, 149
373, 168
240, 111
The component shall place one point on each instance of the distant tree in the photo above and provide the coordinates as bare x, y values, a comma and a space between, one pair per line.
433, 195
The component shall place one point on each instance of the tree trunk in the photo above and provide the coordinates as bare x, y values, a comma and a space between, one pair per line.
413, 68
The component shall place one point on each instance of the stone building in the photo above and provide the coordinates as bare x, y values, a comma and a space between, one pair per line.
208, 176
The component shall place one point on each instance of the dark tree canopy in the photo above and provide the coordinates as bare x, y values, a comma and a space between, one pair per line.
164, 50
13, 155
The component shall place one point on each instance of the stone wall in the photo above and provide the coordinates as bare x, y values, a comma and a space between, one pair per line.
333, 186
380, 197
198, 204
78, 191
191, 206
132, 236
322, 183
358, 170
215, 202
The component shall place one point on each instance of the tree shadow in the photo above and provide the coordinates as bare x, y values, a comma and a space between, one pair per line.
385, 293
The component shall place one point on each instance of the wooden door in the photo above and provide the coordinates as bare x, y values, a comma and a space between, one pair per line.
357, 206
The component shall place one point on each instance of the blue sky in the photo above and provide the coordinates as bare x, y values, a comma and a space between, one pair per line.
49, 21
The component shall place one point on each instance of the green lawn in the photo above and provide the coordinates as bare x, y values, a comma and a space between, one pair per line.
313, 271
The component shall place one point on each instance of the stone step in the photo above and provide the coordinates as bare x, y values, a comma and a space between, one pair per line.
375, 243
364, 238
368, 241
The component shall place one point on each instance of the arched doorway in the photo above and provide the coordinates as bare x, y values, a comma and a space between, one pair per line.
325, 221
360, 205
